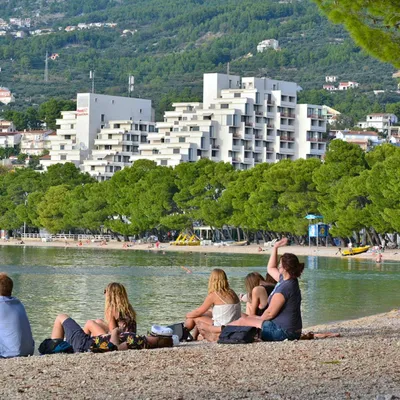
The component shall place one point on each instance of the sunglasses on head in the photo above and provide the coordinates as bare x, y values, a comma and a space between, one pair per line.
105, 291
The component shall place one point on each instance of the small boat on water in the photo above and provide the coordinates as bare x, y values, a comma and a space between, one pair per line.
355, 250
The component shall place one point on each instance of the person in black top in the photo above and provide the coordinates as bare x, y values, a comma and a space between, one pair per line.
258, 289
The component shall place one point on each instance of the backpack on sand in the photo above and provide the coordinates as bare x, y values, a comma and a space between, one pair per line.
181, 331
237, 335
54, 346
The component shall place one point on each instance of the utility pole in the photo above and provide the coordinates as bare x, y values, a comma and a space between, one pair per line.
227, 68
91, 76
131, 85
46, 67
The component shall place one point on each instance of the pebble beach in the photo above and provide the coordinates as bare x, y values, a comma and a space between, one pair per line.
361, 364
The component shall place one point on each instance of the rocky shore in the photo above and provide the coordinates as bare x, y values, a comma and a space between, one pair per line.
361, 364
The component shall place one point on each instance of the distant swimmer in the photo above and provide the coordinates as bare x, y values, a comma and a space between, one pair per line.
379, 258
186, 269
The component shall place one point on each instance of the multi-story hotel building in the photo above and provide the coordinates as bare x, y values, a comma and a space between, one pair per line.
96, 126
243, 121
113, 147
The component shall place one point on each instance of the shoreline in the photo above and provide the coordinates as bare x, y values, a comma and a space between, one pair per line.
362, 363
303, 251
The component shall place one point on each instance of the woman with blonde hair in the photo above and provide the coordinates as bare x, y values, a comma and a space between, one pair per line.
118, 313
220, 307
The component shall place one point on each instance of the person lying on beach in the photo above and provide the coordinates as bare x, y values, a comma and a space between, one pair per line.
258, 291
65, 328
15, 330
282, 318
118, 312
219, 308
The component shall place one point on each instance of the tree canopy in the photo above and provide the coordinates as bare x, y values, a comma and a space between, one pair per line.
373, 24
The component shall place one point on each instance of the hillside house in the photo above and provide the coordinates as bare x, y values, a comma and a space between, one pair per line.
365, 139
6, 96
33, 142
379, 121
331, 78
267, 44
330, 88
10, 139
348, 85
6, 126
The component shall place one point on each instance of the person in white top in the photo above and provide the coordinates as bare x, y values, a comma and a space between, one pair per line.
15, 331
219, 308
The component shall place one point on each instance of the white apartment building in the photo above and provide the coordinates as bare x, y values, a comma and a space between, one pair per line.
77, 130
243, 121
311, 129
114, 145
380, 121
35, 142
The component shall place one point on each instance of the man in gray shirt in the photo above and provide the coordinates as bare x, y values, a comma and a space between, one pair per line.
15, 331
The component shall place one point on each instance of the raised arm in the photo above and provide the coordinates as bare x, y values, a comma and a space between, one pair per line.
272, 267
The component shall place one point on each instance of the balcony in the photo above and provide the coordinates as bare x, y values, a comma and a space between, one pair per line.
285, 138
288, 115
236, 159
316, 116
316, 139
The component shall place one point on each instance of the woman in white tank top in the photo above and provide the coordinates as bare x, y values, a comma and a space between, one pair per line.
219, 308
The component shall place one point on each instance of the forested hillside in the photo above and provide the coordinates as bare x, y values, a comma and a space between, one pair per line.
171, 43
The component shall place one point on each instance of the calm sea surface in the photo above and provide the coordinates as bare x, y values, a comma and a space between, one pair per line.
50, 281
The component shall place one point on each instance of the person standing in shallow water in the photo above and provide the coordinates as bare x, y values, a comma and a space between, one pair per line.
282, 318
15, 330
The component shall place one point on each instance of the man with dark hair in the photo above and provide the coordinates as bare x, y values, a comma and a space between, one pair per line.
15, 330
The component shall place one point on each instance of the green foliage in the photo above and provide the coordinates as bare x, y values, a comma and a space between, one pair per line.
353, 191
175, 43
374, 25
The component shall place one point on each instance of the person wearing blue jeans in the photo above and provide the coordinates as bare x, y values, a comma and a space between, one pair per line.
282, 318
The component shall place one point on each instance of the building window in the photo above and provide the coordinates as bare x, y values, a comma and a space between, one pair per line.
62, 146
151, 128
177, 151
110, 136
236, 95
102, 118
117, 126
92, 168
163, 162
108, 147
182, 139
224, 105
67, 137
63, 157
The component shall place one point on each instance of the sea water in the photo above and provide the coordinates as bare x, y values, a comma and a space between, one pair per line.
164, 287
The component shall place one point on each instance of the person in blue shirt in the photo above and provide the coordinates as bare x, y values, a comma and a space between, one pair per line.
281, 319
15, 330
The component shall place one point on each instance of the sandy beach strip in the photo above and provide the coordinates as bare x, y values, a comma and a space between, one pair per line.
388, 254
361, 364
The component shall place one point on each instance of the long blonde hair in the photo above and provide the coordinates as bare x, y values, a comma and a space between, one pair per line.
116, 302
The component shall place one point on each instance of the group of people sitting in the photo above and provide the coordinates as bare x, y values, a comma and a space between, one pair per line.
273, 306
